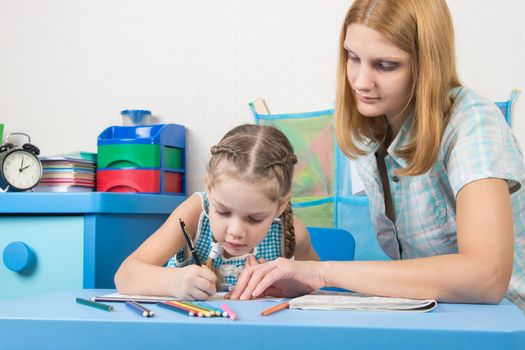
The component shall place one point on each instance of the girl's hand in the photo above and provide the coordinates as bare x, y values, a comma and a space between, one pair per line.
280, 278
193, 283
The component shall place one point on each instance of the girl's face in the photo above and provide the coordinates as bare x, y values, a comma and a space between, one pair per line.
240, 215
380, 74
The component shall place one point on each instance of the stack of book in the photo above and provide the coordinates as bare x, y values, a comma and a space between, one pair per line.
69, 172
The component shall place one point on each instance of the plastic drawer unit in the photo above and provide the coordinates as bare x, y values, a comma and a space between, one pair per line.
146, 159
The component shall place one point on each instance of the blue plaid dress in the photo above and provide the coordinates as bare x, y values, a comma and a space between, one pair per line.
477, 144
270, 248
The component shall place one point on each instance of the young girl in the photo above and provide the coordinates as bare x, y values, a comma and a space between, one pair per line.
440, 166
245, 214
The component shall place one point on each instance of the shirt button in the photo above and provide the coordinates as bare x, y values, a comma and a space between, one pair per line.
395, 178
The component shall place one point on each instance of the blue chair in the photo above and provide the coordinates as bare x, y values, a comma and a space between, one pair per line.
506, 106
332, 244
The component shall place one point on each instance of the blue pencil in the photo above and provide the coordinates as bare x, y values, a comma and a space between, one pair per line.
141, 310
175, 308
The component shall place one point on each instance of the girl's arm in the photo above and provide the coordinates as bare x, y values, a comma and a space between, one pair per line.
479, 273
143, 271
303, 244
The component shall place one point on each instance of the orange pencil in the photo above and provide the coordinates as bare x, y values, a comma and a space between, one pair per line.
275, 308
197, 311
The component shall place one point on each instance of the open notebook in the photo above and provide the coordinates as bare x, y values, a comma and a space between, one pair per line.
324, 300
319, 300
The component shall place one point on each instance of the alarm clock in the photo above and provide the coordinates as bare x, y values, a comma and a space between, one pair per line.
20, 168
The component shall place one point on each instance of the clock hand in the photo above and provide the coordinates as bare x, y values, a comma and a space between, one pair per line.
24, 168
21, 166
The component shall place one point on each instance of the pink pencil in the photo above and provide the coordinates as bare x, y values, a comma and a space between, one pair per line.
229, 311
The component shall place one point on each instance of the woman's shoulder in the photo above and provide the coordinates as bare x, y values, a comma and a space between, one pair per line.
476, 118
478, 142
469, 107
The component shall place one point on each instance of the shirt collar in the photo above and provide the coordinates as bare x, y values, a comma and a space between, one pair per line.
401, 140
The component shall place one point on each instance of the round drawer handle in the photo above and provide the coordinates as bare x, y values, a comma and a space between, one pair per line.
18, 257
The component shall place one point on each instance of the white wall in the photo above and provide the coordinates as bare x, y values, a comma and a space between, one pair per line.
67, 67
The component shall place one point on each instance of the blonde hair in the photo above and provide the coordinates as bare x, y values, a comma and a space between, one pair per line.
422, 28
262, 155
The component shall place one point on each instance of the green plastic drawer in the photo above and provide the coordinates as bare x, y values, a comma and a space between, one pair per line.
138, 156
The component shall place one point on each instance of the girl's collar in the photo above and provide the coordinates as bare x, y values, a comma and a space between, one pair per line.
244, 256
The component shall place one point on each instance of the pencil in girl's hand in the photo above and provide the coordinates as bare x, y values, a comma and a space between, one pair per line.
275, 308
94, 304
184, 229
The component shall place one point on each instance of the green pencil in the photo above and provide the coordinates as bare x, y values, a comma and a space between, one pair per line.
101, 306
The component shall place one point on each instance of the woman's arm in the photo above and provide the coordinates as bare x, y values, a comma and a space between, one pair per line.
303, 244
479, 273
143, 272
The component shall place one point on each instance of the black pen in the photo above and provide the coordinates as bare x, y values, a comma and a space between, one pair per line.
190, 243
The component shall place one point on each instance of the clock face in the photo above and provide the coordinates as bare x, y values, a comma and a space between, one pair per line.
21, 169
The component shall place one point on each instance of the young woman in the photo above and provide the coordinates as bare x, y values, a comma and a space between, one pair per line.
441, 168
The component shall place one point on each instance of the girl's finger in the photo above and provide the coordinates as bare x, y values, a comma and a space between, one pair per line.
198, 294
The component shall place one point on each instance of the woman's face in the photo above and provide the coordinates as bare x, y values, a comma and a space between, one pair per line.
380, 74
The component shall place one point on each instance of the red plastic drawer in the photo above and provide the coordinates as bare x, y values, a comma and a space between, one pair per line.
133, 180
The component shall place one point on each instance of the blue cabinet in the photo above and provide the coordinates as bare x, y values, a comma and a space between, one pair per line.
60, 241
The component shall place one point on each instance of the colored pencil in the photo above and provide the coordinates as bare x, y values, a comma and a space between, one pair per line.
100, 306
193, 252
175, 308
217, 310
229, 311
199, 306
197, 311
141, 310
275, 308
205, 310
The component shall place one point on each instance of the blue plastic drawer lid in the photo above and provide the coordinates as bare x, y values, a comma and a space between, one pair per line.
172, 135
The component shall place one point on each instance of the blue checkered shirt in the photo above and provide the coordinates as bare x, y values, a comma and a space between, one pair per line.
270, 248
477, 144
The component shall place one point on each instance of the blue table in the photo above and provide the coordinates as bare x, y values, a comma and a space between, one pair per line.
56, 321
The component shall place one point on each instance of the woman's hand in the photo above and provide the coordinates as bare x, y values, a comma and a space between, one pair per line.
280, 278
193, 283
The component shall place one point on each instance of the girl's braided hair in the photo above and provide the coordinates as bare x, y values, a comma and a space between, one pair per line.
258, 154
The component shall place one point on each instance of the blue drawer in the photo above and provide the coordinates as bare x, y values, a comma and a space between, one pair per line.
58, 248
